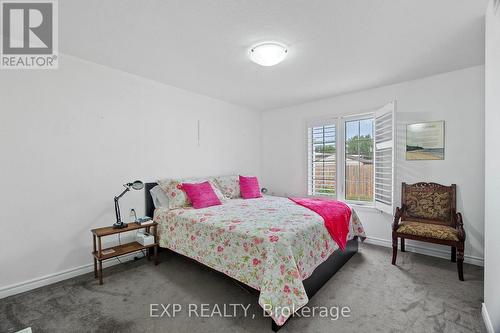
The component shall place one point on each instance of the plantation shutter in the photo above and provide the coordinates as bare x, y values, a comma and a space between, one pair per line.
384, 157
322, 164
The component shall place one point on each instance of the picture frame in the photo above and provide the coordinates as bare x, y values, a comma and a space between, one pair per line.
425, 141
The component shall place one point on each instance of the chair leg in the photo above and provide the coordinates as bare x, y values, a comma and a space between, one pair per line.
403, 245
460, 261
453, 254
394, 248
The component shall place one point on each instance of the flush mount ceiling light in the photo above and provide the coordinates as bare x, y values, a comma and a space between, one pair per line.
268, 53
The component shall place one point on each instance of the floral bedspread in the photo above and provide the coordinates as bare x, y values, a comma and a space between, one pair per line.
269, 243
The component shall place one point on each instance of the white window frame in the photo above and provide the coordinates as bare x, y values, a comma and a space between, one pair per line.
343, 120
340, 123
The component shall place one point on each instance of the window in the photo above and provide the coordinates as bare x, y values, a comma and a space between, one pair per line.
322, 166
357, 153
358, 161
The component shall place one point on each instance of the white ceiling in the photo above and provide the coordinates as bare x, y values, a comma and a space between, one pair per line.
335, 46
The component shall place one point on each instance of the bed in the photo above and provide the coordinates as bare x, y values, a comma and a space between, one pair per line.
279, 249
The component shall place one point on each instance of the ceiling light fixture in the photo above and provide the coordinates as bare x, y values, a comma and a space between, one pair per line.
268, 53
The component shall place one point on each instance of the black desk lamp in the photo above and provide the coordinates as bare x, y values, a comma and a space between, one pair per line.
137, 185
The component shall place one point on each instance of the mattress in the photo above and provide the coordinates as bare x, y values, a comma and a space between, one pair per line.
270, 244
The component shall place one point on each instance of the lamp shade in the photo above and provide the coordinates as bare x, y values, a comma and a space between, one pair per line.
137, 185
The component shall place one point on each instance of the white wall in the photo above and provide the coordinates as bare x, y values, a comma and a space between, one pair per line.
492, 165
70, 138
456, 97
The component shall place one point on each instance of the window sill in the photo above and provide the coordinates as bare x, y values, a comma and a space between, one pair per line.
368, 207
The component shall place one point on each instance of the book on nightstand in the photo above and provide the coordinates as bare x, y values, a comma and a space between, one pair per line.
146, 220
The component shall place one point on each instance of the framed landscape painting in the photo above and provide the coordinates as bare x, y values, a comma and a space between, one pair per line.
425, 141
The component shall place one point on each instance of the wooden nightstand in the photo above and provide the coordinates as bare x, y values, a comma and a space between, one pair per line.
101, 254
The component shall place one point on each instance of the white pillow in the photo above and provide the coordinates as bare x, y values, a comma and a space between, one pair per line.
160, 199
229, 185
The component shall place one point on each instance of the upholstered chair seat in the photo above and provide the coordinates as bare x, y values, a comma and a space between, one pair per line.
436, 231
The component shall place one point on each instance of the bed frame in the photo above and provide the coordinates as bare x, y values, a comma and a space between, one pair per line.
312, 284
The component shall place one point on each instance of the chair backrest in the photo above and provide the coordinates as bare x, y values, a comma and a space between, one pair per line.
429, 203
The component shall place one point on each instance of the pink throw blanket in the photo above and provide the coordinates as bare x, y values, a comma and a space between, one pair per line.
336, 215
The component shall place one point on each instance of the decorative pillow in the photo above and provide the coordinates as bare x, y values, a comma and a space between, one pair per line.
159, 197
201, 195
229, 185
249, 187
177, 198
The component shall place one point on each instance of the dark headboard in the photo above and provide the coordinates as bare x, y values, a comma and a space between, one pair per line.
149, 207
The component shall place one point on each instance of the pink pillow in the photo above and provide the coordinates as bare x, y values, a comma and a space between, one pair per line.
201, 195
249, 187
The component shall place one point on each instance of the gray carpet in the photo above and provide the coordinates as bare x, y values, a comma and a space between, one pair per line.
421, 294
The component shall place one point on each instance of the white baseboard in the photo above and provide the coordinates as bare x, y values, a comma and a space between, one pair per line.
486, 319
18, 288
440, 253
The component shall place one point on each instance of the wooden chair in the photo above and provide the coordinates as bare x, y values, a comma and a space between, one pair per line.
428, 214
